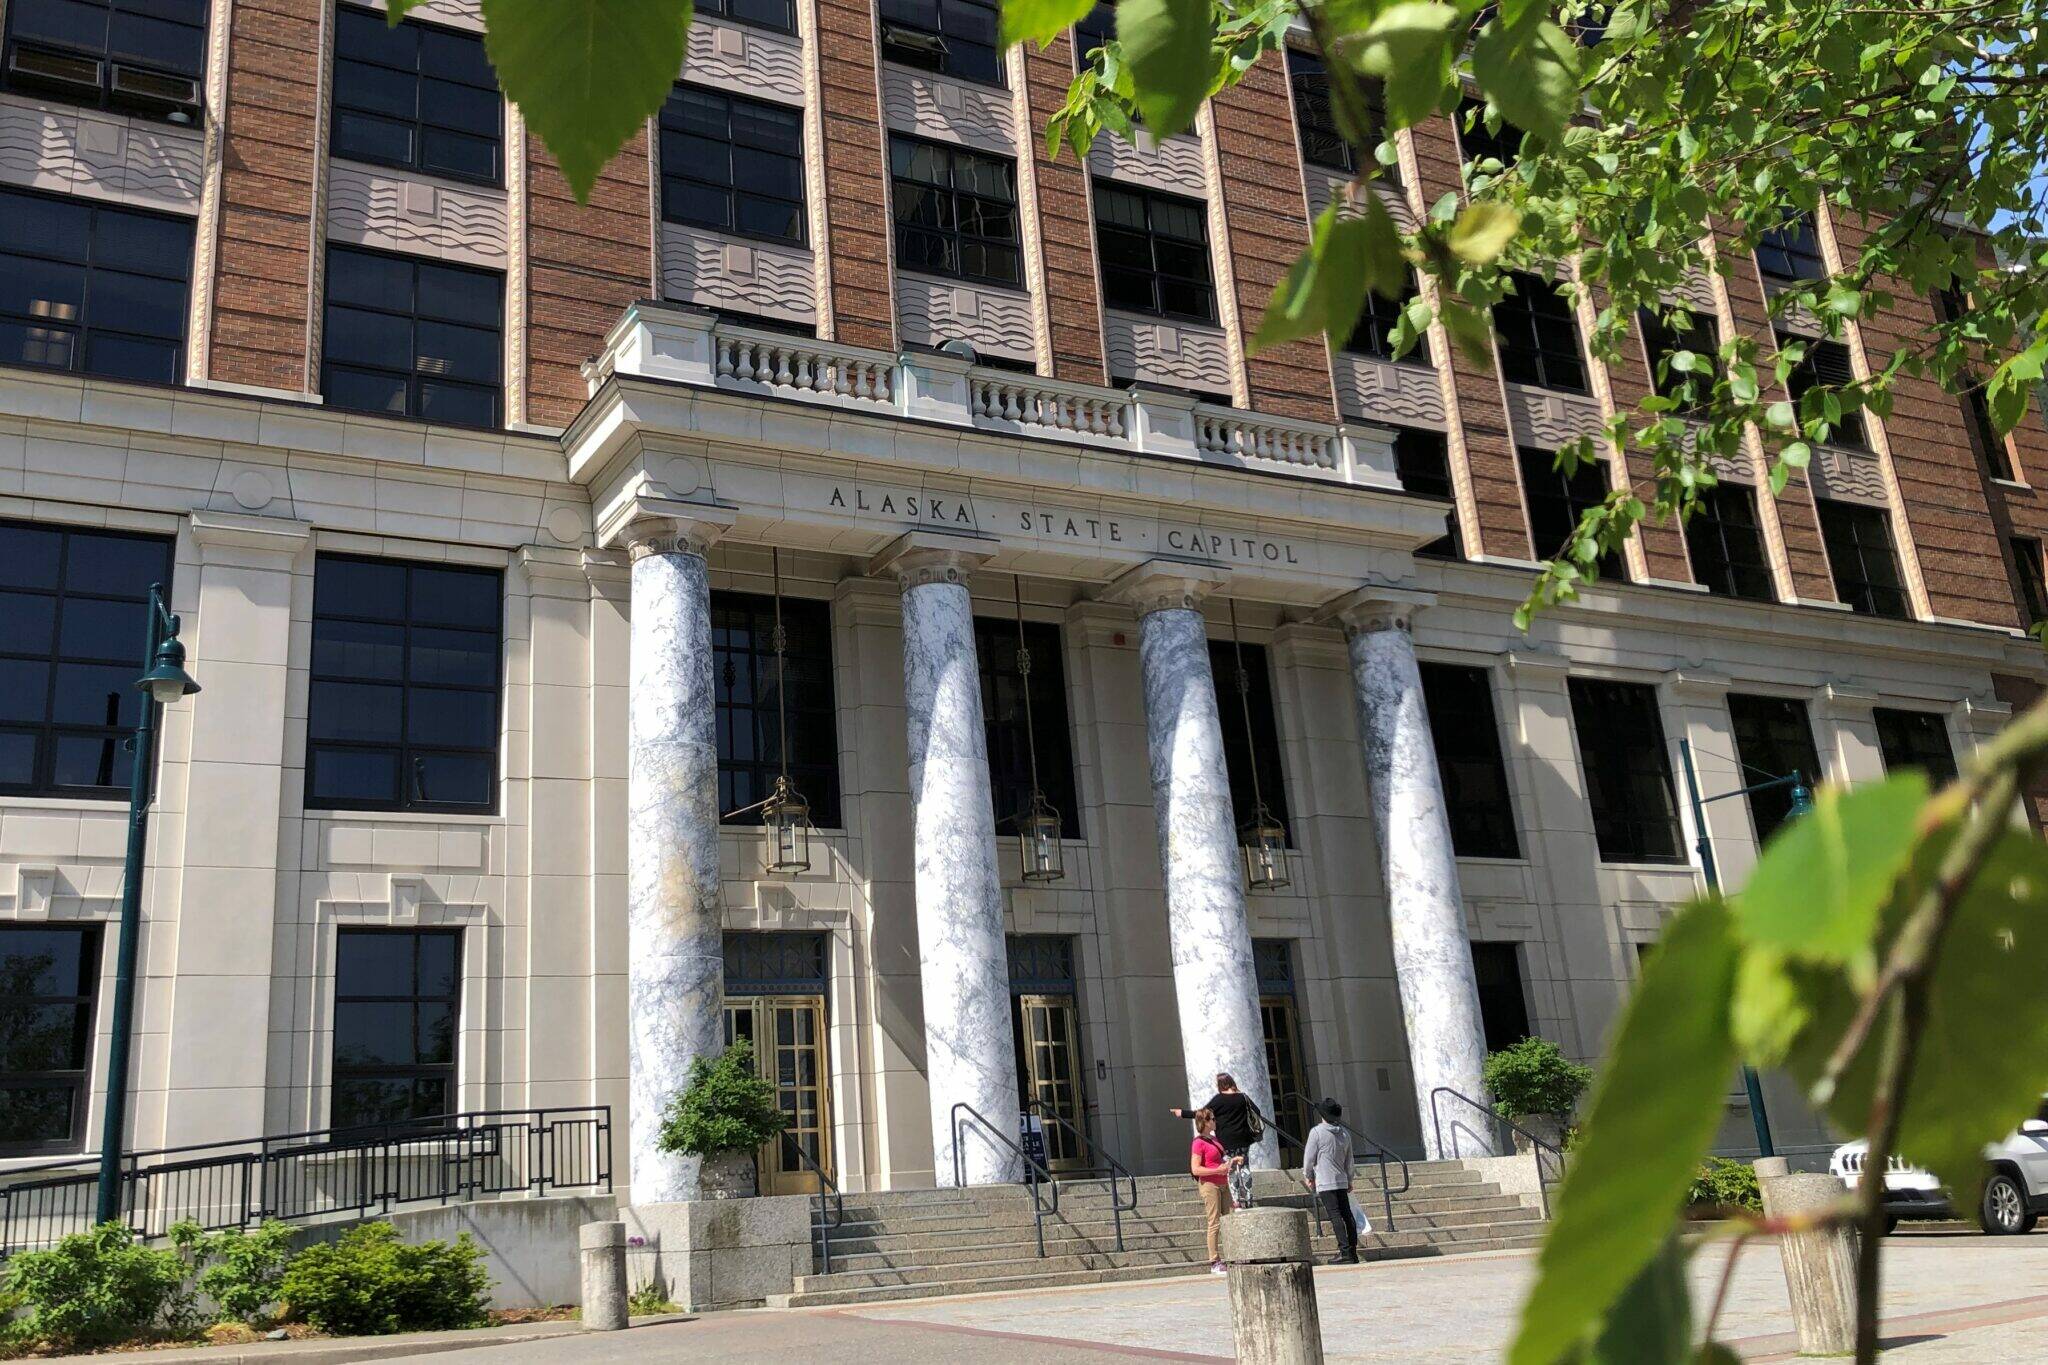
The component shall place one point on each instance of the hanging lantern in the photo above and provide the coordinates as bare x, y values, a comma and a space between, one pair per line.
1038, 841
1263, 839
786, 816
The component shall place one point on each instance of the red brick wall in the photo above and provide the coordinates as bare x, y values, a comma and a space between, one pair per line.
261, 270
1066, 232
1266, 214
856, 176
1628, 377
585, 263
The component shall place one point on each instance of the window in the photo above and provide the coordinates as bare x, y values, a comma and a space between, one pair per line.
1773, 739
1155, 253
1825, 365
1002, 711
1557, 500
749, 715
1993, 450
397, 1004
76, 608
92, 288
1725, 545
1683, 331
1628, 774
1322, 137
411, 338
1482, 815
776, 14
1790, 252
1097, 26
956, 212
1503, 1007
415, 96
1860, 556
1477, 143
733, 165
952, 37
1239, 753
48, 976
1915, 739
1538, 336
403, 709
1422, 461
144, 57
2026, 562
1373, 333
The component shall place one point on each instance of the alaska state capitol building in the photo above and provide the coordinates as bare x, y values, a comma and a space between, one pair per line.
848, 586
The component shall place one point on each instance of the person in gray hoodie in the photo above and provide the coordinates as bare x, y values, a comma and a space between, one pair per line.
1326, 1171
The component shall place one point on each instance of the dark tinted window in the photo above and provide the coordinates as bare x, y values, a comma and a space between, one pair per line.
1825, 365
956, 212
144, 57
1322, 138
1726, 547
75, 605
749, 713
1773, 739
1239, 691
1664, 337
1373, 334
1097, 27
403, 708
48, 977
1478, 143
1557, 500
1503, 1005
1915, 739
2027, 564
92, 288
775, 14
397, 1012
1538, 336
1628, 774
1155, 253
1861, 558
1791, 251
415, 95
1002, 710
732, 164
1422, 460
412, 338
953, 37
1468, 754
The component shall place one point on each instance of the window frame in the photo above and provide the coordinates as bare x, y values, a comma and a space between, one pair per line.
1149, 198
2032, 572
1661, 340
1902, 729
1476, 142
818, 779
1372, 333
78, 1080
1632, 761
181, 113
1530, 359
1464, 725
721, 10
1768, 728
1546, 487
414, 377
1263, 747
665, 125
1773, 244
956, 237
995, 641
1725, 573
1837, 372
420, 123
1304, 71
939, 36
1842, 527
449, 1071
1434, 481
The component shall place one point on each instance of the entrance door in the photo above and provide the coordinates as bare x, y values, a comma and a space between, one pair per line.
1047, 1028
788, 1034
1281, 1028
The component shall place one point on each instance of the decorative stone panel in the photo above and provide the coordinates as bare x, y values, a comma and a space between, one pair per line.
713, 270
1176, 354
949, 111
1847, 475
396, 211
1404, 394
930, 312
1539, 417
756, 62
102, 156
1697, 294
467, 14
1174, 165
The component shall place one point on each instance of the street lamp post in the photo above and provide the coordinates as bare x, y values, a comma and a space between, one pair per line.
163, 682
1802, 801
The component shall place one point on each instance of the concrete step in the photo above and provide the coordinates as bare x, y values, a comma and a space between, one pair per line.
1175, 1203
1421, 1176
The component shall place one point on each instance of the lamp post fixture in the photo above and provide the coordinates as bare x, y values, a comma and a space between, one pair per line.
164, 680
1802, 802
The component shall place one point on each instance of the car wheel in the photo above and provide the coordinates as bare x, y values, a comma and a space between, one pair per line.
2003, 1210
1891, 1225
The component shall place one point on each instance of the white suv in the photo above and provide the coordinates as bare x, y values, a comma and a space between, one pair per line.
2015, 1183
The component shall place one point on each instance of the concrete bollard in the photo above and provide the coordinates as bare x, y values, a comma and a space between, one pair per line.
1272, 1288
603, 1246
1820, 1266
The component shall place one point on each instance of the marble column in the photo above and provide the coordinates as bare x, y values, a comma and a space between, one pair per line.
1426, 913
1215, 985
675, 967
963, 962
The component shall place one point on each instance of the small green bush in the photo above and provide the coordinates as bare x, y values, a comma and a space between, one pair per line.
370, 1283
1535, 1077
648, 1299
96, 1288
724, 1108
240, 1271
1721, 1183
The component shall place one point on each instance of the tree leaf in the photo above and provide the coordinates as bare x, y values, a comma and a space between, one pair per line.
1323, 290
1653, 1113
1531, 74
586, 74
396, 10
1651, 1323
1470, 329
1040, 21
2010, 383
1386, 269
1824, 881
1169, 49
1410, 48
1483, 231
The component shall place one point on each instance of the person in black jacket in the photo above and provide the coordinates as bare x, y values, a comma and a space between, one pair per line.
1238, 1126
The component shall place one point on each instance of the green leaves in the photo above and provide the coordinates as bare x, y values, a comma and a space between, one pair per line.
1410, 47
1040, 21
1653, 1113
1818, 893
1651, 1323
1324, 289
1483, 231
2010, 383
586, 74
1169, 47
1531, 73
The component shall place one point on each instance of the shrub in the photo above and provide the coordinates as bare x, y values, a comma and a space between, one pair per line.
241, 1270
1534, 1077
648, 1299
1721, 1183
96, 1288
368, 1282
724, 1108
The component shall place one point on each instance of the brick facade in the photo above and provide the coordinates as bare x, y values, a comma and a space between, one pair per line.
856, 176
1629, 380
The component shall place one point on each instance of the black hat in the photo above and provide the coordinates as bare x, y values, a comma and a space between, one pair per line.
1330, 1109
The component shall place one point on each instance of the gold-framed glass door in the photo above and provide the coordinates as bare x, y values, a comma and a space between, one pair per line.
1281, 1028
1048, 1069
788, 1034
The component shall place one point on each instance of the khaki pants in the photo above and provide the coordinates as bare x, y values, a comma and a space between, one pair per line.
1215, 1203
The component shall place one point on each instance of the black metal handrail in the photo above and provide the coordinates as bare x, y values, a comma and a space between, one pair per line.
1436, 1118
1108, 1169
1045, 1183
318, 1173
1380, 1152
830, 1214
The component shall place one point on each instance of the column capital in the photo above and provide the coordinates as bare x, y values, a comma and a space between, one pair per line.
919, 557
643, 525
246, 537
1362, 611
1164, 584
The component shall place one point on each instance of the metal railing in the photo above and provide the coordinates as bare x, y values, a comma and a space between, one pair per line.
1040, 1188
830, 1210
322, 1173
1541, 1148
1106, 1168
1380, 1153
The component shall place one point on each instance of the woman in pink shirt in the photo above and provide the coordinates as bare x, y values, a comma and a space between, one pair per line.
1211, 1170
